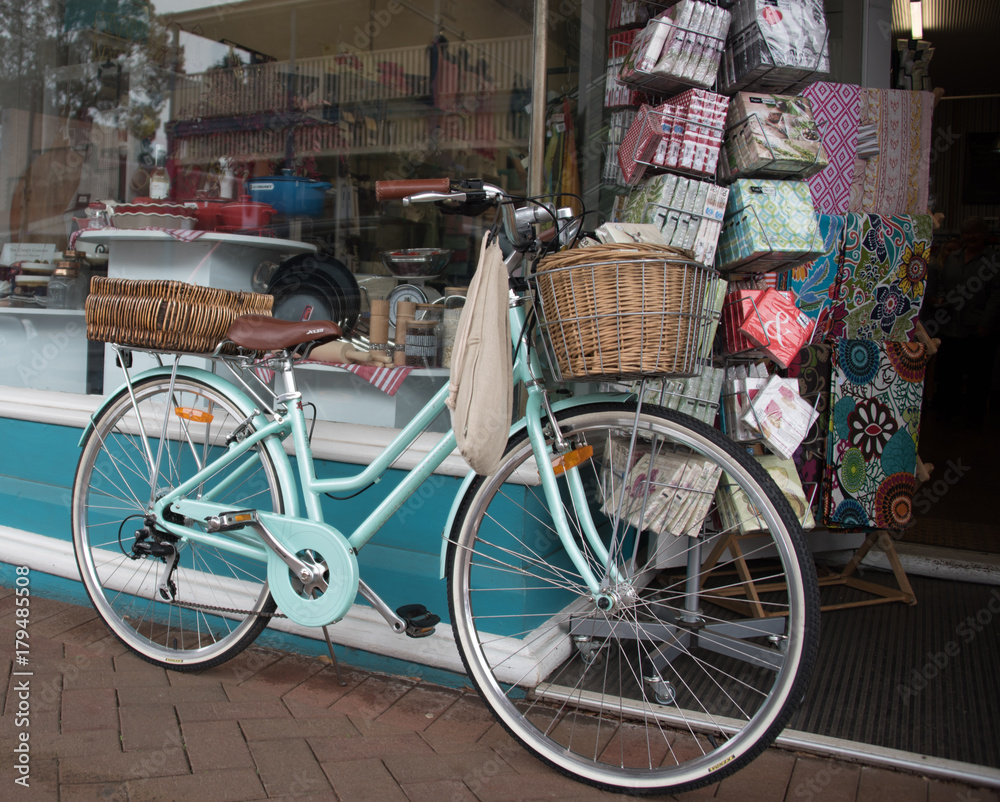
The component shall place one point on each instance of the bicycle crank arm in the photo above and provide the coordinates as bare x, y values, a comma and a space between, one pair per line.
312, 571
227, 521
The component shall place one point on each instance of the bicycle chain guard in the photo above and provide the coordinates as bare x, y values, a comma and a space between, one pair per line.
317, 543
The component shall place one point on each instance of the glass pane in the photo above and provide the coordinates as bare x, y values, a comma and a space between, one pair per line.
301, 106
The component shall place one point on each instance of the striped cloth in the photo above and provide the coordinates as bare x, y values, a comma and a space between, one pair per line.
182, 234
388, 380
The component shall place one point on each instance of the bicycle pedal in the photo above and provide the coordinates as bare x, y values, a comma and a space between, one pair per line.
419, 621
227, 521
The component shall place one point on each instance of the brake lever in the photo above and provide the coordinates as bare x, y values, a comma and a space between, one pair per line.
432, 197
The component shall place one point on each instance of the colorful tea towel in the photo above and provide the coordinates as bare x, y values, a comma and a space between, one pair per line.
896, 179
836, 109
883, 276
872, 445
814, 281
812, 368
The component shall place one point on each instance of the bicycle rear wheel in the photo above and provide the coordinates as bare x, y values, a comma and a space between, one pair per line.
679, 675
215, 602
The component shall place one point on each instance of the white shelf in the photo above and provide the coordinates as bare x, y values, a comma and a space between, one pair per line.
108, 235
38, 310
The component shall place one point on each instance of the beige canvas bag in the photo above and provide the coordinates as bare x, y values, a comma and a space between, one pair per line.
481, 389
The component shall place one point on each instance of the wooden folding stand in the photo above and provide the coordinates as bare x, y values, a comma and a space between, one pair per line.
749, 593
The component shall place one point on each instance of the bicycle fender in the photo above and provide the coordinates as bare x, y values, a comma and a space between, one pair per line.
569, 403
283, 466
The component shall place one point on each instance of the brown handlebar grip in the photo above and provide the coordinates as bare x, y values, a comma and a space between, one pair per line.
396, 190
548, 234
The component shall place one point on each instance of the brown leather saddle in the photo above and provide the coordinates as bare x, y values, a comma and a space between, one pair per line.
263, 333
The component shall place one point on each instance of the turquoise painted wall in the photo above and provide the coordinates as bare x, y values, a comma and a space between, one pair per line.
38, 462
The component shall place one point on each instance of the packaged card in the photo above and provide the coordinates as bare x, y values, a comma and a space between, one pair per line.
781, 416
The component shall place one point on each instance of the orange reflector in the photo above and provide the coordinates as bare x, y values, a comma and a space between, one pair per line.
571, 459
242, 518
194, 415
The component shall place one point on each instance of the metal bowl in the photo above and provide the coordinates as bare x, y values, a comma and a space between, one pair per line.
416, 262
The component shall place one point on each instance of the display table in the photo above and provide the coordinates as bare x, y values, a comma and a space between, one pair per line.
44, 349
224, 261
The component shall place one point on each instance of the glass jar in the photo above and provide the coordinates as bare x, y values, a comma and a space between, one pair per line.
66, 288
454, 300
421, 344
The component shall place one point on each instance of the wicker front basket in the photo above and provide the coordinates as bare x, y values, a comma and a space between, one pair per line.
167, 315
623, 311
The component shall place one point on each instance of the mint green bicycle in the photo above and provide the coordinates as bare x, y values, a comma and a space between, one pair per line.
616, 650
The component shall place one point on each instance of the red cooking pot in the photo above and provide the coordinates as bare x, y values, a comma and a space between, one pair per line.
246, 213
206, 211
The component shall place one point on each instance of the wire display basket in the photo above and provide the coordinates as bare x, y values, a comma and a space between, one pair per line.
624, 311
167, 315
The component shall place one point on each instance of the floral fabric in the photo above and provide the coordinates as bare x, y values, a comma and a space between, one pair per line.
882, 278
812, 369
812, 281
871, 455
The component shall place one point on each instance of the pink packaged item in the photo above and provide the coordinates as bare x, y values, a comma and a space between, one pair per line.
777, 326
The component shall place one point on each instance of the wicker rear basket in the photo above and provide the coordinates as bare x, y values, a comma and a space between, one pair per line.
167, 315
623, 311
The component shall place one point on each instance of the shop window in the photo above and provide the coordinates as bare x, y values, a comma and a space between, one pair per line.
302, 107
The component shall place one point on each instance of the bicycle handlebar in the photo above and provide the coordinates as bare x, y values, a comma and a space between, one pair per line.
475, 196
397, 190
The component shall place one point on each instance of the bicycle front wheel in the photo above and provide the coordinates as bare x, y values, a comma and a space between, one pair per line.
213, 603
694, 653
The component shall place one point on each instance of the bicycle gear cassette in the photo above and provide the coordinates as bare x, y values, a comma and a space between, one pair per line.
322, 548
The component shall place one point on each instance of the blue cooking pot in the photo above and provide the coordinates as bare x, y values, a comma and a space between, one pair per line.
289, 194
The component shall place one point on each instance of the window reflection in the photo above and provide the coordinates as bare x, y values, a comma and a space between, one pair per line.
300, 105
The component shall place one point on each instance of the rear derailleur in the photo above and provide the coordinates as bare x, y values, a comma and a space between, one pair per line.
157, 545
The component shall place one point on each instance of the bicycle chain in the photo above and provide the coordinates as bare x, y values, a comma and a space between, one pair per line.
216, 608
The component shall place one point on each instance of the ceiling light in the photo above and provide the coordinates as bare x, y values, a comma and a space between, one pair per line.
916, 20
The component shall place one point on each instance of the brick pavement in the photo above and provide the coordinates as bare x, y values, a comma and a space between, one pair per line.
271, 725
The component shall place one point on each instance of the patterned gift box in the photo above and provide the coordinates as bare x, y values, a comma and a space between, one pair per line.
896, 179
774, 44
769, 225
772, 135
871, 457
837, 110
882, 277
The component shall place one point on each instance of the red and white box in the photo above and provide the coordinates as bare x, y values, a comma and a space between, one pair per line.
639, 144
685, 133
777, 326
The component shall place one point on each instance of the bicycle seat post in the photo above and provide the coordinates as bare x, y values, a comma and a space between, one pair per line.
284, 366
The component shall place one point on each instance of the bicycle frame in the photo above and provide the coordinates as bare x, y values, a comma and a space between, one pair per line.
293, 422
